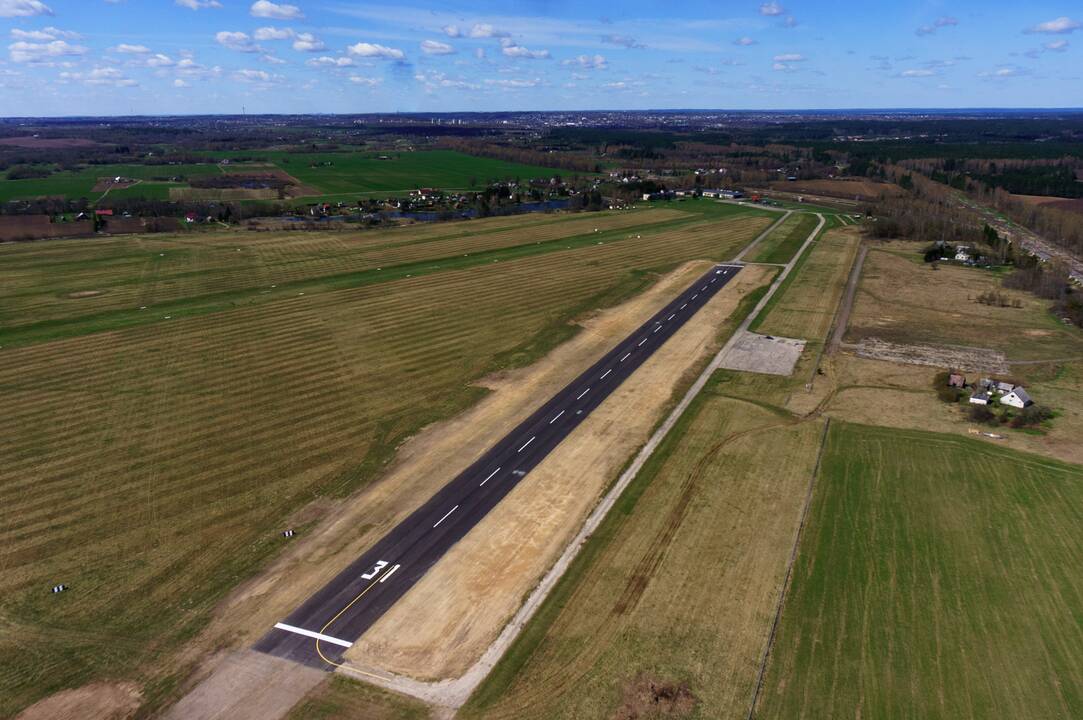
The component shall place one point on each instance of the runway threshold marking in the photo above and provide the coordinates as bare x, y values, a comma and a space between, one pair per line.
443, 518
494, 472
340, 613
524, 447
314, 635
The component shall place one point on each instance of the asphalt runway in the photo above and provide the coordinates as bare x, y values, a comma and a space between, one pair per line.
319, 631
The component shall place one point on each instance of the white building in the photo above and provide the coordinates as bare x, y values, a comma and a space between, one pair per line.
979, 399
962, 253
1017, 398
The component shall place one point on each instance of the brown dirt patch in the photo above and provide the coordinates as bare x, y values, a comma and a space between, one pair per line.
443, 625
84, 294
35, 227
649, 698
1057, 203
849, 189
28, 141
99, 701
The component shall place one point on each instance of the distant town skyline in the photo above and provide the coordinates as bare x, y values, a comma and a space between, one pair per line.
118, 57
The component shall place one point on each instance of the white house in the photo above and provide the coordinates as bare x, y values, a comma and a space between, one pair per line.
1017, 398
979, 399
962, 253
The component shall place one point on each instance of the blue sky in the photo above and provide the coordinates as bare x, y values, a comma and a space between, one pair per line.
108, 57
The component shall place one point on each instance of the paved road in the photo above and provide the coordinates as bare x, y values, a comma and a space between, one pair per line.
320, 630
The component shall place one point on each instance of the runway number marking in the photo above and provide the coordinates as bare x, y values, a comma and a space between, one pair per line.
524, 447
494, 472
380, 565
445, 517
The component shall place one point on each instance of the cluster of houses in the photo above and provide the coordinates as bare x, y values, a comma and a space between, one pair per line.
716, 194
988, 391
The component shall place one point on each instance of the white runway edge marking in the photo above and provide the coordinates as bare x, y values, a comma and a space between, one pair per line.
557, 417
316, 635
583, 394
390, 572
445, 517
606, 374
524, 447
626, 357
494, 472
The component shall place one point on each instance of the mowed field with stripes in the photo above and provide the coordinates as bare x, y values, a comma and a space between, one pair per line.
150, 463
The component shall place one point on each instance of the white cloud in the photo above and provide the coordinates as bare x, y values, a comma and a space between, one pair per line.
484, 30
331, 62
479, 53
373, 50
1056, 45
188, 67
367, 81
307, 42
1060, 26
744, 41
178, 83
238, 41
789, 58
513, 84
917, 73
272, 60
273, 33
159, 60
256, 76
452, 31
45, 34
510, 49
198, 4
267, 9
432, 47
132, 49
589, 62
26, 52
941, 22
1003, 73
23, 8
772, 9
100, 76
623, 41
433, 81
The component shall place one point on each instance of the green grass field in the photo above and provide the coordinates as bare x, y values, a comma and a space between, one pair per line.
151, 467
358, 174
784, 241
938, 578
349, 175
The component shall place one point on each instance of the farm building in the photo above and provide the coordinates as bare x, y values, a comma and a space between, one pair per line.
956, 380
962, 253
1017, 398
979, 399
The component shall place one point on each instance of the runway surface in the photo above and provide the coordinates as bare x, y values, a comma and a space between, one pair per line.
319, 631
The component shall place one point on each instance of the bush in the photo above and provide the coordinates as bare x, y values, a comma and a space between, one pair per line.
1032, 416
982, 414
26, 172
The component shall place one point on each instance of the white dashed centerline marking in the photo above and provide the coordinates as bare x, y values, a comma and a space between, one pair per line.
582, 394
557, 417
445, 517
607, 374
494, 472
684, 306
695, 296
524, 447
671, 317
642, 342
626, 357
389, 573
657, 329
